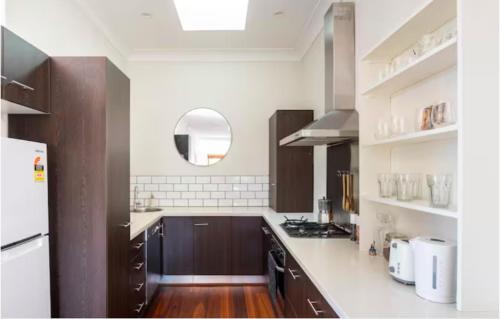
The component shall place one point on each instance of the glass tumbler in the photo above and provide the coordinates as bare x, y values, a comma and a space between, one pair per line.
440, 187
385, 185
405, 187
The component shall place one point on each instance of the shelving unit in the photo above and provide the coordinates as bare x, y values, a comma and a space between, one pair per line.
434, 61
431, 16
417, 205
443, 133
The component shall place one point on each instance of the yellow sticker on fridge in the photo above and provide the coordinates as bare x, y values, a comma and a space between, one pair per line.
39, 173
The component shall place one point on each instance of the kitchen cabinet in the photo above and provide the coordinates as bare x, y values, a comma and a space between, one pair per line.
291, 170
247, 246
153, 259
178, 246
315, 306
25, 74
88, 140
212, 245
295, 282
137, 280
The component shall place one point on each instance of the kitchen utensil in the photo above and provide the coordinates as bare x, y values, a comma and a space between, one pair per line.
435, 269
386, 245
401, 262
385, 184
325, 211
440, 188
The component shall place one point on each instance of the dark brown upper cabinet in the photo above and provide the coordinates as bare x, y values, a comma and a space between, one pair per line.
291, 169
25, 75
88, 140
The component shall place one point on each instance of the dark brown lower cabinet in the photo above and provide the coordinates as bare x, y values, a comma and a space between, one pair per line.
247, 244
178, 246
212, 245
137, 280
295, 283
315, 305
88, 139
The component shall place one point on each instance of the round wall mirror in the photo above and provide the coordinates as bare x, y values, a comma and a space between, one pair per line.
203, 137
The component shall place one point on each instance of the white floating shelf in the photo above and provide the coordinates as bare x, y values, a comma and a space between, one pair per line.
437, 134
430, 17
434, 61
417, 205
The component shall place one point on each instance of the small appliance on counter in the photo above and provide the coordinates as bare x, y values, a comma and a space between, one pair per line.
325, 211
435, 269
401, 262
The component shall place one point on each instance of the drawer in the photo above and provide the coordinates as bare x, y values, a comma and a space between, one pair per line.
137, 302
137, 246
316, 305
137, 285
295, 281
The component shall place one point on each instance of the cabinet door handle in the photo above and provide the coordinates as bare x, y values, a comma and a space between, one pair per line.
266, 231
126, 225
161, 230
138, 246
139, 287
316, 311
3, 77
292, 272
139, 309
138, 266
199, 225
22, 85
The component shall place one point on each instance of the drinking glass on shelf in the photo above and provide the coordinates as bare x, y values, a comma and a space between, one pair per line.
427, 42
398, 125
405, 184
440, 187
385, 185
416, 185
383, 129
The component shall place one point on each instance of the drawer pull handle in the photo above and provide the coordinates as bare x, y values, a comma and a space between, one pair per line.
127, 225
139, 245
139, 309
22, 85
266, 231
311, 304
138, 266
139, 287
161, 230
292, 272
198, 225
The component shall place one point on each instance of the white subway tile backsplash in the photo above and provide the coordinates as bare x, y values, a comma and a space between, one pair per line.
255, 187
240, 187
247, 195
188, 179
158, 179
188, 195
181, 203
195, 187
173, 179
210, 203
247, 179
225, 203
203, 195
209, 187
143, 179
225, 187
217, 195
203, 180
217, 180
173, 195
166, 187
151, 187
233, 179
200, 191
181, 187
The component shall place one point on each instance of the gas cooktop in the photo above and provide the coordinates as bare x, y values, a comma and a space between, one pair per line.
305, 229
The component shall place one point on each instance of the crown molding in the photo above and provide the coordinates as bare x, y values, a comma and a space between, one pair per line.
216, 55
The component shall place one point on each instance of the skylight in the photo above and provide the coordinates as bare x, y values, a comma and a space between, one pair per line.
212, 15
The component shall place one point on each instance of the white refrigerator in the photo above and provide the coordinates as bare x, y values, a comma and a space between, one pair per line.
25, 277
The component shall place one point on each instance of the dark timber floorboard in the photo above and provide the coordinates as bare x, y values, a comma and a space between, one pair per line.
211, 302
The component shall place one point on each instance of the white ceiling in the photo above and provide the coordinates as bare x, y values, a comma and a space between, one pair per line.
161, 34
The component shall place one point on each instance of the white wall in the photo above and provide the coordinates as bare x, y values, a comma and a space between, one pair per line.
247, 94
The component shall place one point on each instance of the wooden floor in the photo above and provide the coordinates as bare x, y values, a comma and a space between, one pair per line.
211, 302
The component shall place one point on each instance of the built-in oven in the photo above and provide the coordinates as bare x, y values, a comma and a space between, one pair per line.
276, 256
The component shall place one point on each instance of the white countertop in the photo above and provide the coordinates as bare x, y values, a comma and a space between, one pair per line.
354, 283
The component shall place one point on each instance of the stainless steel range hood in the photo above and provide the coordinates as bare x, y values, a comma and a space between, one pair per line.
340, 122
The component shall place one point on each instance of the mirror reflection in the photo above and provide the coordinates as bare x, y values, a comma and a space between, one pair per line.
203, 137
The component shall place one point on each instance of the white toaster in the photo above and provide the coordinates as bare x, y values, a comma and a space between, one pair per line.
401, 262
435, 269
